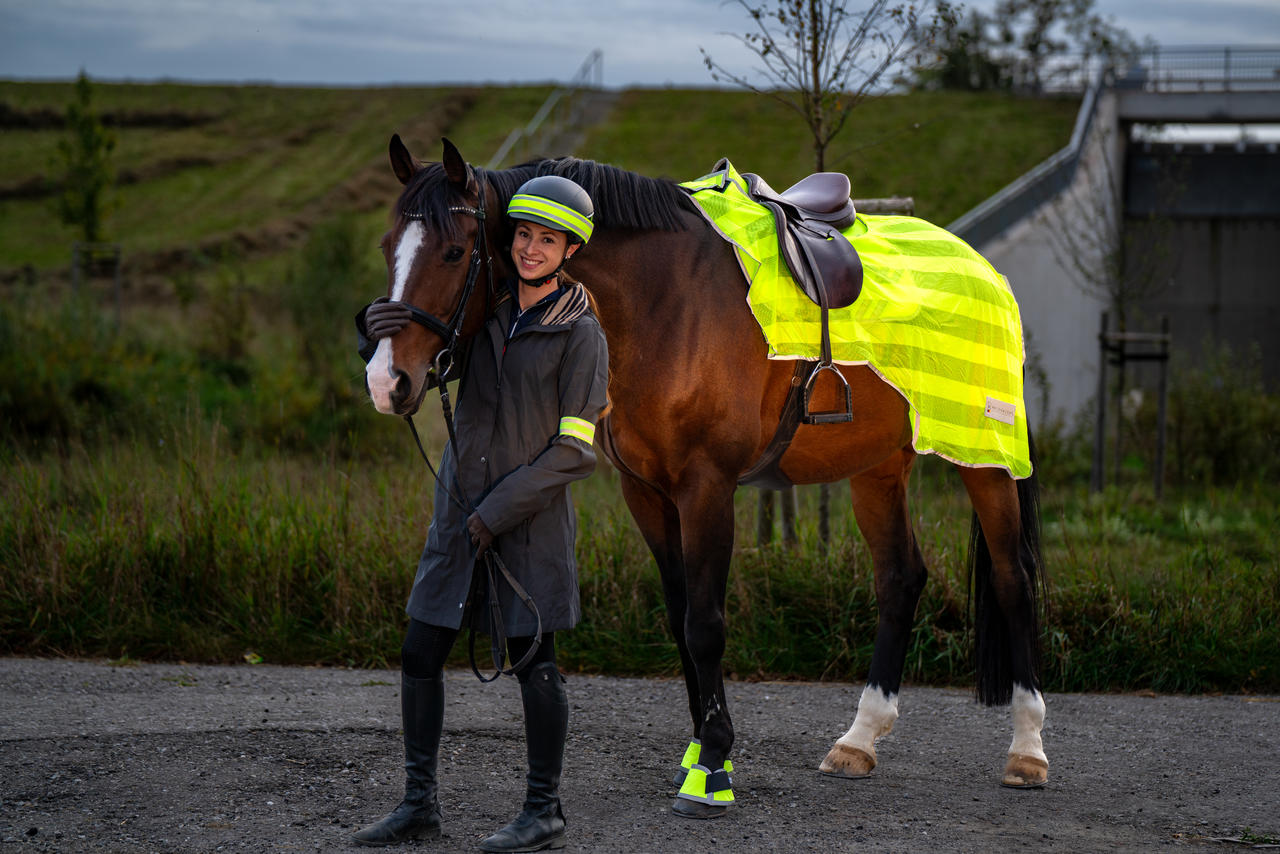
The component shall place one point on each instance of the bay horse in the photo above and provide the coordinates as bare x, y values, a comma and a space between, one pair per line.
695, 401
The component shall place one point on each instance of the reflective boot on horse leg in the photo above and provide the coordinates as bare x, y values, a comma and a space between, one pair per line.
1006, 567
659, 524
418, 815
880, 507
541, 823
706, 531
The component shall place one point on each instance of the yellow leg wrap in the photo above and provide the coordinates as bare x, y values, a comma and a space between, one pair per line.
692, 754
708, 787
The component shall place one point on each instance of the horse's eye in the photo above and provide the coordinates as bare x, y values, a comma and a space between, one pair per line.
453, 253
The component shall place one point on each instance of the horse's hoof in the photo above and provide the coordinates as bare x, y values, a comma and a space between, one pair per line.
852, 763
693, 809
1025, 772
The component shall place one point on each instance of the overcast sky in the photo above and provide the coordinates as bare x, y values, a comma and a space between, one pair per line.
645, 42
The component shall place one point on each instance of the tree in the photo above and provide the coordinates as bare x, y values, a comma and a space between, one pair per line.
821, 60
84, 160
1024, 45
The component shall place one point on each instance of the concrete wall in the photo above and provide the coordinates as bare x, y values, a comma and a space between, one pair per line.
1224, 288
1059, 317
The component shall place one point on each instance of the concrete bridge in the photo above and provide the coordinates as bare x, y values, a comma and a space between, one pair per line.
1130, 216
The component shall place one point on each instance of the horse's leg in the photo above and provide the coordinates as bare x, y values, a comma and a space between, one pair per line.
705, 503
1006, 577
880, 506
659, 524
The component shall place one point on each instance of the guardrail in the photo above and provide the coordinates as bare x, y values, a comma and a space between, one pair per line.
1225, 68
1180, 68
562, 109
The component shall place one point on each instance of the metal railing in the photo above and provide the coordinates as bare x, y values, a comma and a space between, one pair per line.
1181, 68
563, 109
1224, 68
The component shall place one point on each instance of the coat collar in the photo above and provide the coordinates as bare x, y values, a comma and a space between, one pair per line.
570, 305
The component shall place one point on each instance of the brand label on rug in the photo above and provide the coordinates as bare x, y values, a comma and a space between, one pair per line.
1000, 411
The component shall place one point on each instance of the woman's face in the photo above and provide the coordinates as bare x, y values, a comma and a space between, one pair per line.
537, 250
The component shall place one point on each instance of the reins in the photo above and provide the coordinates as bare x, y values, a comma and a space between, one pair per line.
441, 366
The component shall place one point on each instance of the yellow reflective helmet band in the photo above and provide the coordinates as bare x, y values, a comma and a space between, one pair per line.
578, 428
550, 213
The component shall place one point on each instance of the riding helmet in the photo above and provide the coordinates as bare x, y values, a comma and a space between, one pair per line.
557, 203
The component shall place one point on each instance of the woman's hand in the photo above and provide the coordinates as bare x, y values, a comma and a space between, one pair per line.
481, 536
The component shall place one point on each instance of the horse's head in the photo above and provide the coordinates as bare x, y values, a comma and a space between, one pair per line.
435, 251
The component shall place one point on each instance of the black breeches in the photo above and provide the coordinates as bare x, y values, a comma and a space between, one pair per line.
427, 647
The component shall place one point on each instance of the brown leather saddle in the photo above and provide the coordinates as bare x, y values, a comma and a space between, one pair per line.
809, 216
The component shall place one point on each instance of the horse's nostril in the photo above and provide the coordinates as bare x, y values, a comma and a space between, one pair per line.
402, 387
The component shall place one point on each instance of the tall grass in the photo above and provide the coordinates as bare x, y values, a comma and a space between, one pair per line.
194, 550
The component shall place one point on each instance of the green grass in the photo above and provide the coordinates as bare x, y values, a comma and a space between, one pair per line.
262, 164
947, 150
264, 167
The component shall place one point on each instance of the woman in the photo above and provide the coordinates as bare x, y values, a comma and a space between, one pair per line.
533, 386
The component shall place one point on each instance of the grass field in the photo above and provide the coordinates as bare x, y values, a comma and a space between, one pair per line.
205, 480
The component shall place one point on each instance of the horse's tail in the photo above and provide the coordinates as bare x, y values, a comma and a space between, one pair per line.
993, 641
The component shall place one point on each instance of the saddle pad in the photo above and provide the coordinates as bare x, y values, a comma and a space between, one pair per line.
934, 320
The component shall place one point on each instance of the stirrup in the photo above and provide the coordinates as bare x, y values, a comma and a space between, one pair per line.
832, 416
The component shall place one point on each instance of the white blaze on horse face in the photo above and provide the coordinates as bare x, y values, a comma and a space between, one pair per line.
1028, 719
406, 251
380, 372
876, 713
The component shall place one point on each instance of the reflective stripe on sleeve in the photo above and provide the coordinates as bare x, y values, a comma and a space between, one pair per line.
578, 428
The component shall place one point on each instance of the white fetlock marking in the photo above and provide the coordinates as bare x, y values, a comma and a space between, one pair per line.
876, 713
1028, 719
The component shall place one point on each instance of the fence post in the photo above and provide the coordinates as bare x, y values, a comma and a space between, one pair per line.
1098, 475
764, 518
1162, 415
788, 499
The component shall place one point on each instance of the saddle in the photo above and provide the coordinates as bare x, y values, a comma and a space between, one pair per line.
808, 217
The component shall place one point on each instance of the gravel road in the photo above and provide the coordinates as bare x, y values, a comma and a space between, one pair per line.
174, 757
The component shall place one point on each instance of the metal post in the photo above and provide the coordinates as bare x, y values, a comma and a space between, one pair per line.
1117, 466
1162, 415
1098, 475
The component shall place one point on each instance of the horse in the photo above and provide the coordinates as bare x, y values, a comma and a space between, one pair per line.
694, 402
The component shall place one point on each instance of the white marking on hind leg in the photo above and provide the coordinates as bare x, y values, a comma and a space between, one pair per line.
877, 711
1028, 719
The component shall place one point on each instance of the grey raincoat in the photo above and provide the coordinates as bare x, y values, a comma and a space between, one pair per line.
526, 409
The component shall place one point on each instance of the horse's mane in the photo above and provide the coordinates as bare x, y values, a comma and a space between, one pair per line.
622, 199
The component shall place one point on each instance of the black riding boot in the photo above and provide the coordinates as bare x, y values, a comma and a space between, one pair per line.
418, 816
546, 723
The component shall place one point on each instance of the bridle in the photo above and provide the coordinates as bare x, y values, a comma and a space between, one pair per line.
450, 330
441, 366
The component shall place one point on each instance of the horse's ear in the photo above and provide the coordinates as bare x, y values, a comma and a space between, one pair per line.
402, 162
454, 166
